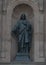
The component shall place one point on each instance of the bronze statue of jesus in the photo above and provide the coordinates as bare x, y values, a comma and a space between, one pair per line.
23, 32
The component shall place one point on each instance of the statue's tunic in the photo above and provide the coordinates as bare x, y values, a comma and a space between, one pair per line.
23, 31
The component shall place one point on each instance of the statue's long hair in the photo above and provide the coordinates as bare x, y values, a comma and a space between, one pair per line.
23, 17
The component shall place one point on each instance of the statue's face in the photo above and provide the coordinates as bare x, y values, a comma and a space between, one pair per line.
23, 17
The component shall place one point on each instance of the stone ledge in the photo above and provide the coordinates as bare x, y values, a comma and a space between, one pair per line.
31, 63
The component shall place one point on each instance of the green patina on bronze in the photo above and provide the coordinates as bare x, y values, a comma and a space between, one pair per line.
23, 31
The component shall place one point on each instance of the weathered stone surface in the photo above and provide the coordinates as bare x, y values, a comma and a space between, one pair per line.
45, 26
37, 24
41, 5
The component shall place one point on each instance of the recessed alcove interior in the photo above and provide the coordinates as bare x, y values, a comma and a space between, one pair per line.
17, 11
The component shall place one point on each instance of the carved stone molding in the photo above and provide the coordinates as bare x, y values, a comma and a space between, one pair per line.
40, 4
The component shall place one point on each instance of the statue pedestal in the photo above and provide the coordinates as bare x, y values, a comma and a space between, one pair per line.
22, 57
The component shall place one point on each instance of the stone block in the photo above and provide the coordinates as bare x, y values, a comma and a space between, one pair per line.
41, 49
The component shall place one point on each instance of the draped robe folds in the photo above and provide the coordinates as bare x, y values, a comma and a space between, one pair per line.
23, 31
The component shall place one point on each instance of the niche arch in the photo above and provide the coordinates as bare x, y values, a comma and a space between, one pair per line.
10, 8
17, 11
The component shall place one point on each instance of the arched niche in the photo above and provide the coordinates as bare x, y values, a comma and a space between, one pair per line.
17, 11
35, 8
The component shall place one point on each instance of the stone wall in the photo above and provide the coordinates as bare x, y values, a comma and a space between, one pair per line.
45, 27
6, 11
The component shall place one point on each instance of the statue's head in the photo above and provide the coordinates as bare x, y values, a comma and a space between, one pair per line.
23, 17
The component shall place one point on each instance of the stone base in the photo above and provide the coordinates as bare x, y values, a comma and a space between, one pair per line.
22, 57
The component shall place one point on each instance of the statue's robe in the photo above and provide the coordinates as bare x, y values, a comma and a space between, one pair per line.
23, 31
